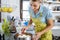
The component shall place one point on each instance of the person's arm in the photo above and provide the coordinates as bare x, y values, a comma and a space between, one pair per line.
49, 20
49, 26
29, 24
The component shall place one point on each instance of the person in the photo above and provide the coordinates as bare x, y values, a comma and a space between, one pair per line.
37, 10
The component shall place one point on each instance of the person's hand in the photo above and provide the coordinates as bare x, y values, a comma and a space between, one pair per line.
37, 36
24, 29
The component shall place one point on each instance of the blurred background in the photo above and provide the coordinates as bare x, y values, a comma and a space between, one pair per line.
20, 10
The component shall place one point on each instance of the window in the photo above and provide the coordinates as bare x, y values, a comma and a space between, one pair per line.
24, 9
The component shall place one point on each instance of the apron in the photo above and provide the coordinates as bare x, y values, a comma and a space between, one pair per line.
39, 26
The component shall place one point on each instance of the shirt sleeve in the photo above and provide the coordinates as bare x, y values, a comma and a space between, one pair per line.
49, 15
30, 10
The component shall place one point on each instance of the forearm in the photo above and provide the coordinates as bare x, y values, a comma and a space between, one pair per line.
30, 23
46, 29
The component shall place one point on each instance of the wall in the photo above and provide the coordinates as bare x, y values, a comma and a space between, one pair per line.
15, 4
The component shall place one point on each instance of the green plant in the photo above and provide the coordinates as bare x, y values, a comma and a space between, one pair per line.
5, 27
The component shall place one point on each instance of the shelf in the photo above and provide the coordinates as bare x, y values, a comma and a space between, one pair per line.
55, 11
56, 5
56, 27
48, 1
54, 2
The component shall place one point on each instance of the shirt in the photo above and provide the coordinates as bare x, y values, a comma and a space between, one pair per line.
45, 12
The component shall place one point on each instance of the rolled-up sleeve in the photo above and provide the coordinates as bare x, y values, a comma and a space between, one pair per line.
49, 15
